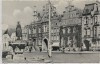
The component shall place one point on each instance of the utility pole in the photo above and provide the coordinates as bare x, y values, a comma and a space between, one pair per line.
49, 43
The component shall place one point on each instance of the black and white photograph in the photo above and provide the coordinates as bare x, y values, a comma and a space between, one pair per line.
50, 31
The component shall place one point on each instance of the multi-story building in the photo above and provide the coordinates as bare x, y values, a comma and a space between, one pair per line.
25, 32
39, 27
91, 23
39, 31
54, 26
70, 28
35, 29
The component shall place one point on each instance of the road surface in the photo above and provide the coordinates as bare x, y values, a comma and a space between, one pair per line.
57, 57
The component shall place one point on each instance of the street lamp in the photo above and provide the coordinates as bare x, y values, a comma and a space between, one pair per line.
49, 43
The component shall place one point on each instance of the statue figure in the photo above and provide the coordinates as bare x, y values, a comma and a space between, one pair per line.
18, 31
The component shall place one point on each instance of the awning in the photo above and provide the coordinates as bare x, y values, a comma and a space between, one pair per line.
55, 44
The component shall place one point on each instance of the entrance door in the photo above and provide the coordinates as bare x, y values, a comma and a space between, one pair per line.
46, 42
35, 44
86, 42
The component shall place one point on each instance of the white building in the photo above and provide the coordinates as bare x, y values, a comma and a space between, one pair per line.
91, 23
5, 41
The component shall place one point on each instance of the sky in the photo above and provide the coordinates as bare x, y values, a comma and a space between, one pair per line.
22, 10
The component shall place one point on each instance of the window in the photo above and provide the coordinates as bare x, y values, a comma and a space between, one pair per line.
43, 9
68, 40
88, 32
52, 30
56, 23
57, 29
91, 20
29, 31
64, 11
63, 31
74, 29
86, 20
44, 28
39, 30
68, 30
54, 37
34, 30
57, 37
96, 19
95, 31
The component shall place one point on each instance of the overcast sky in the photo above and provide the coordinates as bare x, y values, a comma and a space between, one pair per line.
22, 10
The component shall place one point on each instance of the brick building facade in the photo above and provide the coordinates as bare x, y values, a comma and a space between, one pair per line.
70, 27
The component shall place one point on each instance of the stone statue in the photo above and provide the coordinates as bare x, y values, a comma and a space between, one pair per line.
18, 31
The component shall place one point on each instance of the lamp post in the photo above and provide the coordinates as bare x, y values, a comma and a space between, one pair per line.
49, 43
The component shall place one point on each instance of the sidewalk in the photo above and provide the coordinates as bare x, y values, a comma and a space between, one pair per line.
67, 57
76, 52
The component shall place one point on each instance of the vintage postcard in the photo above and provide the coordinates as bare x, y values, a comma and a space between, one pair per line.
50, 31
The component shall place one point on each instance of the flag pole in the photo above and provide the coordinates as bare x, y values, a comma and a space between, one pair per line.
49, 43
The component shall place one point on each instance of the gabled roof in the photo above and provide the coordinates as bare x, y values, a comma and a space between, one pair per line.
9, 31
45, 12
73, 20
89, 8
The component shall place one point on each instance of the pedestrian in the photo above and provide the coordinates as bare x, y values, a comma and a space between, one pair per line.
12, 57
30, 48
40, 49
25, 58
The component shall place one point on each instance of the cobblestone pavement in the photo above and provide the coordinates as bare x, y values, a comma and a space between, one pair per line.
57, 57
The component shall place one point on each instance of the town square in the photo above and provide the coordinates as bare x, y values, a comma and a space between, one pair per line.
51, 31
